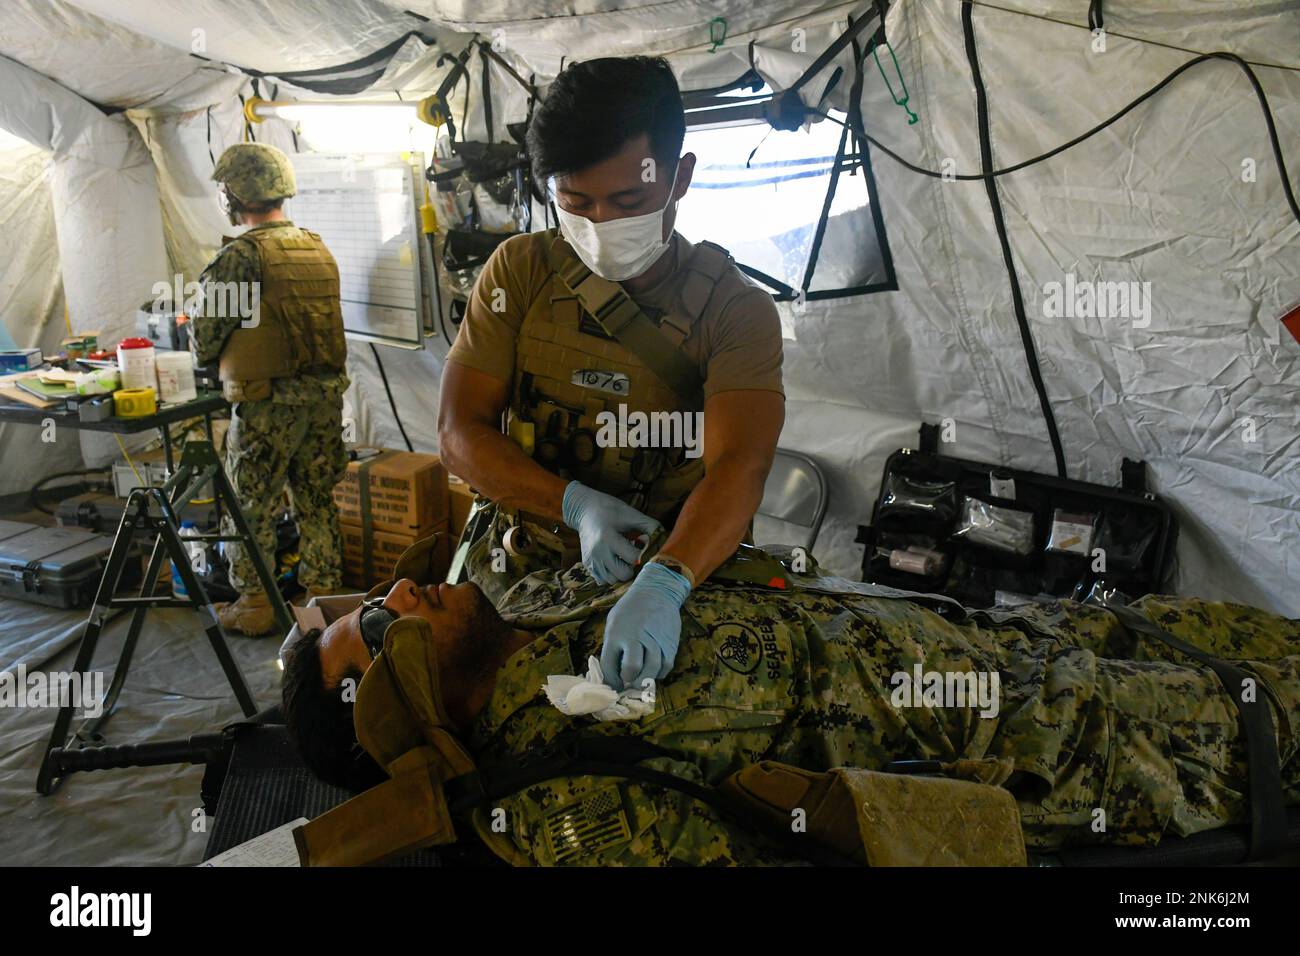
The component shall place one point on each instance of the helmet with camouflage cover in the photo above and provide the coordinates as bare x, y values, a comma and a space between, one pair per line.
255, 173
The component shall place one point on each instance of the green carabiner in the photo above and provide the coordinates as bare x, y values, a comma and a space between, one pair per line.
875, 52
714, 37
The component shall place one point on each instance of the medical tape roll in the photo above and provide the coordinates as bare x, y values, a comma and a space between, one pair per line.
134, 402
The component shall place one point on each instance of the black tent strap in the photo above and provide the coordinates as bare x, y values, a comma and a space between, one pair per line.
486, 79
834, 50
1095, 18
380, 57
343, 78
814, 253
784, 292
1260, 96
529, 87
999, 224
855, 99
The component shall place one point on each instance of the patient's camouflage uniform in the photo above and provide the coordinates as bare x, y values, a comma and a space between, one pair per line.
494, 569
295, 436
1092, 717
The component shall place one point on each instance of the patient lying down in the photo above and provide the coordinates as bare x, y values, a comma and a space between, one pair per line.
1093, 736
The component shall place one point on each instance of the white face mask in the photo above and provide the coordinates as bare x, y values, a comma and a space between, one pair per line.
618, 249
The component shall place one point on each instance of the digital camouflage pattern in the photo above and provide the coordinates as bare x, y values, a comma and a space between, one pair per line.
1092, 718
256, 172
267, 446
495, 570
295, 436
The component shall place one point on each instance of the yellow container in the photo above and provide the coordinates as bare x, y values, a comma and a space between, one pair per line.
134, 402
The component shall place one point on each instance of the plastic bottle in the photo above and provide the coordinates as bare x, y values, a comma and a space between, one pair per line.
135, 360
178, 583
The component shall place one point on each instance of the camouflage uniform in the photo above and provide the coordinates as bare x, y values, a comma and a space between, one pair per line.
1090, 716
296, 436
494, 569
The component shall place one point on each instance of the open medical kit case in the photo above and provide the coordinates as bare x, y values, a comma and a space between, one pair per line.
987, 535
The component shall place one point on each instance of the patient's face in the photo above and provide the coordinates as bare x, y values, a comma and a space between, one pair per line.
453, 611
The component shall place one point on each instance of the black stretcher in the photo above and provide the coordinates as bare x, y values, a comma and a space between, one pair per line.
262, 783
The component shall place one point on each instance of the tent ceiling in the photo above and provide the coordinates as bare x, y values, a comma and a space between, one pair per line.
679, 29
266, 35
102, 61
139, 53
173, 53
1266, 32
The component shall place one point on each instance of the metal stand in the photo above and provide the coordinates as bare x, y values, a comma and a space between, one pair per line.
154, 509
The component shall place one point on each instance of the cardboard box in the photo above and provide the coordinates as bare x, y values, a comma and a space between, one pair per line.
385, 549
319, 612
407, 491
462, 499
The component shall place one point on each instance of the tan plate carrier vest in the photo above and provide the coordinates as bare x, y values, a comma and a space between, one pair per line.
568, 371
300, 319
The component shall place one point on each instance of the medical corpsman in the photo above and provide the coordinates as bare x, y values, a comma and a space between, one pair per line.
614, 317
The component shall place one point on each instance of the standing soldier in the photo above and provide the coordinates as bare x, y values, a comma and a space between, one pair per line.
282, 368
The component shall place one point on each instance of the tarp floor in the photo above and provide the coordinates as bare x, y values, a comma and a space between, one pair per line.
141, 816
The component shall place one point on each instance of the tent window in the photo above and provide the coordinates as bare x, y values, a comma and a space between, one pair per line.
767, 209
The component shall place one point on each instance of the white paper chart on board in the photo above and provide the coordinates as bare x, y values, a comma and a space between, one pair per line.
365, 208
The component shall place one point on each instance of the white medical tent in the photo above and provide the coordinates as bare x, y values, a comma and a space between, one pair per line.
113, 111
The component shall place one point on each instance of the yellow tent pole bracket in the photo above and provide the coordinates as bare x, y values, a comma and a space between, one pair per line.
250, 109
430, 110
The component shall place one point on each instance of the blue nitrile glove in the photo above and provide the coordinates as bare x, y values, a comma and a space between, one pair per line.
643, 628
600, 521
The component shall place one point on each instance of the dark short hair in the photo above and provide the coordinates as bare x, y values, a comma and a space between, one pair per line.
594, 108
319, 720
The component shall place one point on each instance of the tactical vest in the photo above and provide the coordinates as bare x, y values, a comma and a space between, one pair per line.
300, 320
568, 371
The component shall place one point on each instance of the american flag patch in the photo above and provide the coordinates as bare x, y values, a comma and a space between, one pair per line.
594, 823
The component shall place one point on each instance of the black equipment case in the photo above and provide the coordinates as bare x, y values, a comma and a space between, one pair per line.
987, 535
103, 513
59, 567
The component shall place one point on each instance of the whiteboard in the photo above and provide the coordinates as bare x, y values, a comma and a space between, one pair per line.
365, 207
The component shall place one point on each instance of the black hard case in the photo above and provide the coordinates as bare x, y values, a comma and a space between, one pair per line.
57, 567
